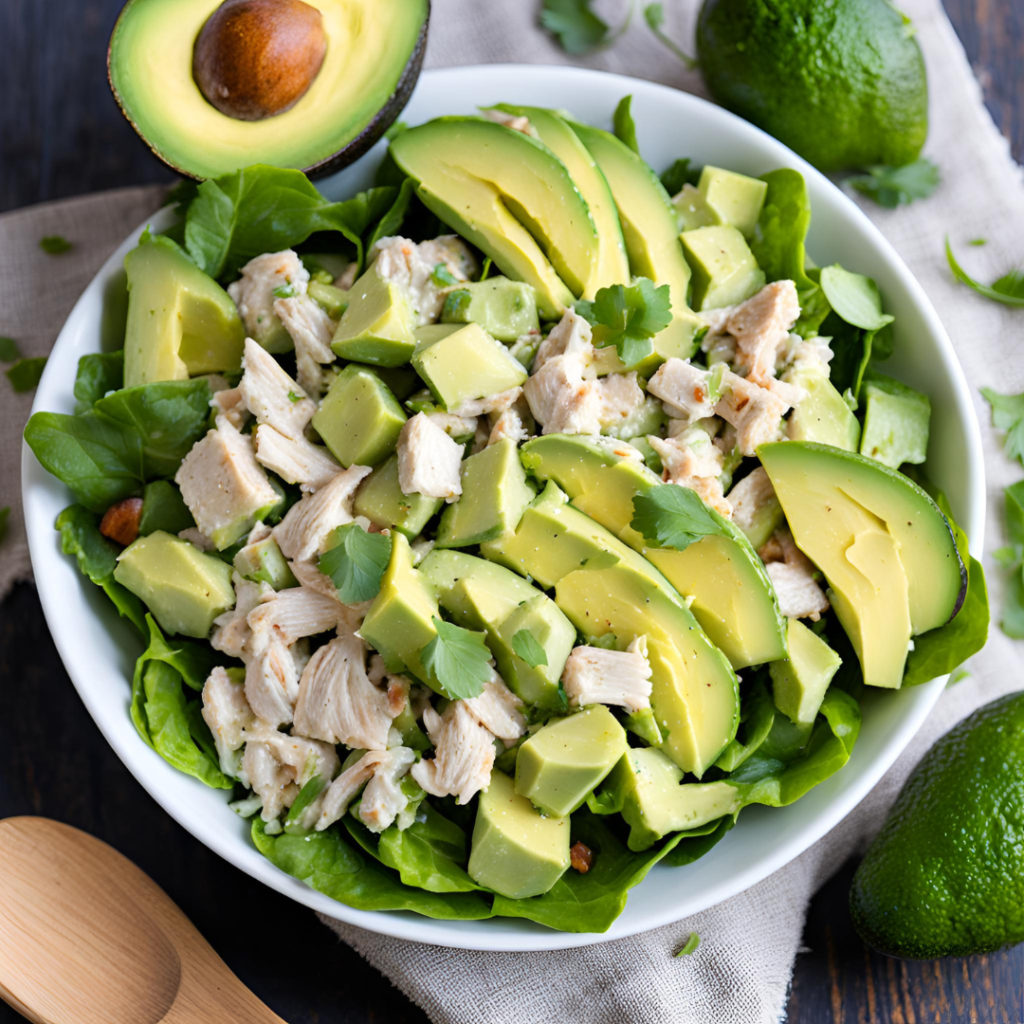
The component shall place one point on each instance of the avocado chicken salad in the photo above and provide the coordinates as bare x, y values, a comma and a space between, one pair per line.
506, 529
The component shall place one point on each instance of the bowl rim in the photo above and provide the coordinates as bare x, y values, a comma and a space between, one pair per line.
510, 935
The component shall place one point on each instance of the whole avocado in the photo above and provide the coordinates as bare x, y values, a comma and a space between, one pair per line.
945, 877
842, 82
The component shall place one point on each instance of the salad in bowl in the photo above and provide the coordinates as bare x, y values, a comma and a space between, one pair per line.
507, 528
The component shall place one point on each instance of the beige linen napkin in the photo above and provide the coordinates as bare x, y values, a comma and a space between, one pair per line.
742, 969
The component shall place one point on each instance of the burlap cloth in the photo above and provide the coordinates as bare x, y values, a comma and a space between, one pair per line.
741, 972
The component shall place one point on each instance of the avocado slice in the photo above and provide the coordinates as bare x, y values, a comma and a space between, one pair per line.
736, 199
733, 599
650, 230
263, 562
464, 364
693, 210
799, 683
516, 851
495, 494
560, 765
505, 309
896, 421
725, 272
377, 325
511, 197
181, 323
612, 264
381, 500
359, 419
184, 588
823, 415
646, 786
876, 536
372, 60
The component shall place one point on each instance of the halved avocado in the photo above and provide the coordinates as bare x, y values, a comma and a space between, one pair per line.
372, 58
510, 196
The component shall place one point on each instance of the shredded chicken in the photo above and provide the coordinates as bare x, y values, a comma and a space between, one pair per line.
271, 395
498, 710
231, 631
311, 330
295, 613
229, 404
683, 388
412, 267
296, 461
594, 675
253, 293
749, 497
221, 482
429, 461
271, 679
383, 800
760, 326
516, 123
516, 423
304, 529
570, 336
453, 426
227, 713
798, 355
793, 578
488, 404
463, 753
690, 459
338, 703
754, 411
196, 536
621, 396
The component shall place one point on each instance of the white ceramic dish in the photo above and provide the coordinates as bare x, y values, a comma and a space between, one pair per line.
97, 649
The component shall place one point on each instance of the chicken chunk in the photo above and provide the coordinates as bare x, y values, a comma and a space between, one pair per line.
793, 577
516, 123
296, 461
231, 633
463, 754
761, 326
312, 330
749, 497
563, 397
229, 404
253, 293
412, 268
271, 679
692, 460
304, 529
754, 411
498, 710
383, 800
516, 423
684, 389
572, 335
227, 713
222, 483
594, 675
429, 461
293, 614
271, 395
338, 703
621, 396
491, 403
460, 427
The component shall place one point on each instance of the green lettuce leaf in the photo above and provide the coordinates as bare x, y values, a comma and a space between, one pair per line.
429, 854
624, 125
98, 373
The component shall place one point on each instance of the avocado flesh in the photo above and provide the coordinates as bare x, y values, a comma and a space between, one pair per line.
381, 500
736, 199
560, 765
181, 323
184, 588
516, 850
505, 309
650, 230
896, 422
692, 209
647, 787
725, 272
935, 572
799, 683
263, 562
373, 53
822, 416
733, 599
377, 325
612, 264
510, 196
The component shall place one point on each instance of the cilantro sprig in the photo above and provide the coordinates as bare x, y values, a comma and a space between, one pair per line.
54, 245
1008, 289
628, 317
458, 659
525, 644
654, 15
577, 28
25, 374
1008, 415
1011, 558
896, 186
356, 562
674, 517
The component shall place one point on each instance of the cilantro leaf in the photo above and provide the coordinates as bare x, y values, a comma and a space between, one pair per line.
1008, 415
624, 125
690, 946
576, 27
1012, 559
1015, 513
896, 186
9, 350
458, 659
443, 277
356, 562
674, 517
54, 245
654, 15
678, 175
525, 644
628, 317
1009, 289
25, 373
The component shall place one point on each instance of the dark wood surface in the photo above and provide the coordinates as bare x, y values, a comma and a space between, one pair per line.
61, 135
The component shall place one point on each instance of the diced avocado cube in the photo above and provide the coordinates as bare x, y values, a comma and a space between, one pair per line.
163, 508
494, 494
359, 419
822, 415
377, 327
464, 364
505, 309
693, 209
184, 588
401, 381
896, 422
647, 786
381, 500
548, 625
724, 269
562, 763
644, 724
399, 623
263, 562
735, 198
476, 593
800, 681
333, 301
647, 419
516, 851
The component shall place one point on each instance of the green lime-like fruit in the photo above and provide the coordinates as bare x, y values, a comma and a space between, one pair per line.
945, 877
840, 81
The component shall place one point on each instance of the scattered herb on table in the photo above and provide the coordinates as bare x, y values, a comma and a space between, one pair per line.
1008, 415
897, 186
577, 28
25, 373
9, 350
54, 245
5, 515
689, 946
1008, 289
654, 15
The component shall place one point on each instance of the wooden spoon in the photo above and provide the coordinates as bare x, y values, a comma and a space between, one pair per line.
88, 938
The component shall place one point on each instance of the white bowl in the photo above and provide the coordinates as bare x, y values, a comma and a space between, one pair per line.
98, 649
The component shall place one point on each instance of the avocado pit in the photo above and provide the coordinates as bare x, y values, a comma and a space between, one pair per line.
254, 59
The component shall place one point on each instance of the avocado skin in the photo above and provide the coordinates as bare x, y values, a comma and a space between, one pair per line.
945, 877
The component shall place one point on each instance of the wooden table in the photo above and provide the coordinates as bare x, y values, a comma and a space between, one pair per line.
60, 135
